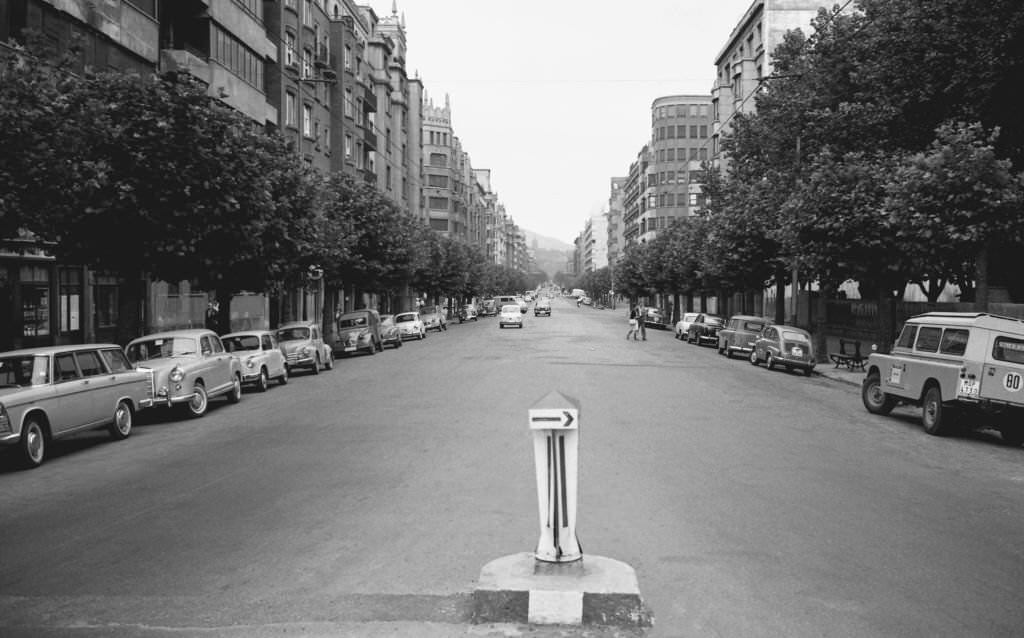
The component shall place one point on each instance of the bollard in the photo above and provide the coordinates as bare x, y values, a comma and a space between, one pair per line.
555, 422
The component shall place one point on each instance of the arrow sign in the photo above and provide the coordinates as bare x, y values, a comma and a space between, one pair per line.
554, 419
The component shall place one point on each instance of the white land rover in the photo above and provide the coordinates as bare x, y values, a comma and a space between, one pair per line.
962, 369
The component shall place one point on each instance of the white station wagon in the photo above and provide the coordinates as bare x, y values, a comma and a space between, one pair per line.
51, 392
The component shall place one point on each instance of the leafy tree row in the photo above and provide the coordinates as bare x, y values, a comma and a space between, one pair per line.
149, 177
884, 148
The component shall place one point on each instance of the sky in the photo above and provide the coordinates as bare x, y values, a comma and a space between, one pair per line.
555, 96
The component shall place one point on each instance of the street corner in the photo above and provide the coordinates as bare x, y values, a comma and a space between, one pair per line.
594, 591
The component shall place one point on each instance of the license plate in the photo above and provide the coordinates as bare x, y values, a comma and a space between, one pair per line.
798, 351
895, 375
969, 388
350, 348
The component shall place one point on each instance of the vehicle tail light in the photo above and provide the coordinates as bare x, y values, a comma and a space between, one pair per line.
5, 420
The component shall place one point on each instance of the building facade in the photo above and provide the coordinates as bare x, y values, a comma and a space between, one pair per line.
616, 219
680, 130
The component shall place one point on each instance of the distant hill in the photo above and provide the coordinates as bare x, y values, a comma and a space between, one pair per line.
535, 241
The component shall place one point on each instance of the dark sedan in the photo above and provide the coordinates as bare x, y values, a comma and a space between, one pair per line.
704, 329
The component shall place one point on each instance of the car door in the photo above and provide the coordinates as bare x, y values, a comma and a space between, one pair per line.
102, 385
215, 366
73, 405
1002, 378
275, 360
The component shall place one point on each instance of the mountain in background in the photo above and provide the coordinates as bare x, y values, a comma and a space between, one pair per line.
550, 254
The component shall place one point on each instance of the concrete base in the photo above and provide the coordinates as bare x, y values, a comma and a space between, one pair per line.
591, 591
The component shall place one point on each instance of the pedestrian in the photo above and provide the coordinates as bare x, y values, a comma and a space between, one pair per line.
632, 323
641, 313
212, 310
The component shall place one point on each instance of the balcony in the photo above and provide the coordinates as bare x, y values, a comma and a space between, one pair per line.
185, 61
369, 138
368, 176
369, 99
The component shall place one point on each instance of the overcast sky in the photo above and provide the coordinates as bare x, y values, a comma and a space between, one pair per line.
554, 96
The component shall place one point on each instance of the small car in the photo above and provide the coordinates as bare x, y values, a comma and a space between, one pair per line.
786, 346
189, 368
468, 312
433, 318
683, 325
260, 355
358, 330
410, 326
961, 367
303, 346
523, 306
52, 392
704, 329
655, 318
389, 332
510, 315
542, 307
739, 333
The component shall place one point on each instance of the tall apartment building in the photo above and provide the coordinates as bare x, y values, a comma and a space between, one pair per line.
680, 129
441, 173
745, 60
616, 219
595, 243
635, 199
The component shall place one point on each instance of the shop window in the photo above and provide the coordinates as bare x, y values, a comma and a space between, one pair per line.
70, 299
35, 301
105, 300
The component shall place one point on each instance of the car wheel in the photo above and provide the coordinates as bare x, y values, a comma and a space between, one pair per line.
316, 365
235, 395
373, 348
753, 357
444, 327
769, 361
263, 382
398, 343
199, 402
932, 413
329, 365
283, 379
808, 371
33, 442
874, 399
121, 426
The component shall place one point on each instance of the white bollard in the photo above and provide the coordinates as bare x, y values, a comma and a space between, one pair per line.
555, 422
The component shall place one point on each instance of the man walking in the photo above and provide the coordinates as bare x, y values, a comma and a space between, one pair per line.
641, 314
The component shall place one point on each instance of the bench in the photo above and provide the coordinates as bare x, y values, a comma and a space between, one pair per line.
849, 355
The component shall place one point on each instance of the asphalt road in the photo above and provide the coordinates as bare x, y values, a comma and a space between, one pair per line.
365, 500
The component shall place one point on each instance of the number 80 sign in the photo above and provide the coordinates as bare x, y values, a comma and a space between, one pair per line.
1012, 382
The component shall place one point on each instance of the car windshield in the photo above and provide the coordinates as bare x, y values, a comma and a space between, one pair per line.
149, 349
241, 343
753, 326
409, 316
510, 309
352, 322
293, 334
689, 316
789, 335
714, 321
23, 371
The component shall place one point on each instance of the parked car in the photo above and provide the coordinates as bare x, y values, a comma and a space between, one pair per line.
357, 331
468, 312
260, 356
953, 364
488, 308
410, 326
303, 346
389, 332
655, 318
510, 316
52, 392
786, 346
704, 329
683, 325
189, 367
433, 318
739, 333
542, 307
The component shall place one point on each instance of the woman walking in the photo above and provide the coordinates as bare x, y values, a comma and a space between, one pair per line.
633, 318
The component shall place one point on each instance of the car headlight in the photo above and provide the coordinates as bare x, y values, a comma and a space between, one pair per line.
306, 351
177, 374
250, 363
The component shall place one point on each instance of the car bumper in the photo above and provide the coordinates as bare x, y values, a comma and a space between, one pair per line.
298, 362
251, 376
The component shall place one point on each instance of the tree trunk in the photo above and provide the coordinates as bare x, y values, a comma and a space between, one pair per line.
820, 321
981, 287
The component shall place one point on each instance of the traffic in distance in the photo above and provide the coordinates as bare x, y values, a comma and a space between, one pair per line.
960, 369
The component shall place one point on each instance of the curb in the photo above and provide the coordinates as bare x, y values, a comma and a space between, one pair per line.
594, 591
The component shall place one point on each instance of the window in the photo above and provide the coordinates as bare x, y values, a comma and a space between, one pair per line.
694, 109
671, 133
307, 120
35, 301
1009, 350
289, 109
703, 154
348, 147
307, 63
348, 57
954, 341
438, 203
907, 336
693, 199
70, 299
661, 156
105, 300
681, 131
307, 12
64, 368
387, 138
116, 361
704, 131
90, 364
670, 177
440, 225
693, 130
670, 155
661, 132
437, 181
387, 177
693, 154
438, 159
703, 110
348, 102
289, 48
928, 339
235, 56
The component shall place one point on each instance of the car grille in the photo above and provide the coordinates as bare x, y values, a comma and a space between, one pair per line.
293, 357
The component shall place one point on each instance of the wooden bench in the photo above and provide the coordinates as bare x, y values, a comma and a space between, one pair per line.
849, 355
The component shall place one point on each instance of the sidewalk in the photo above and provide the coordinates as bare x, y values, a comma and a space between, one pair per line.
842, 373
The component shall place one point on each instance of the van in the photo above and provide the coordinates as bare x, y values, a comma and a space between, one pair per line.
958, 367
